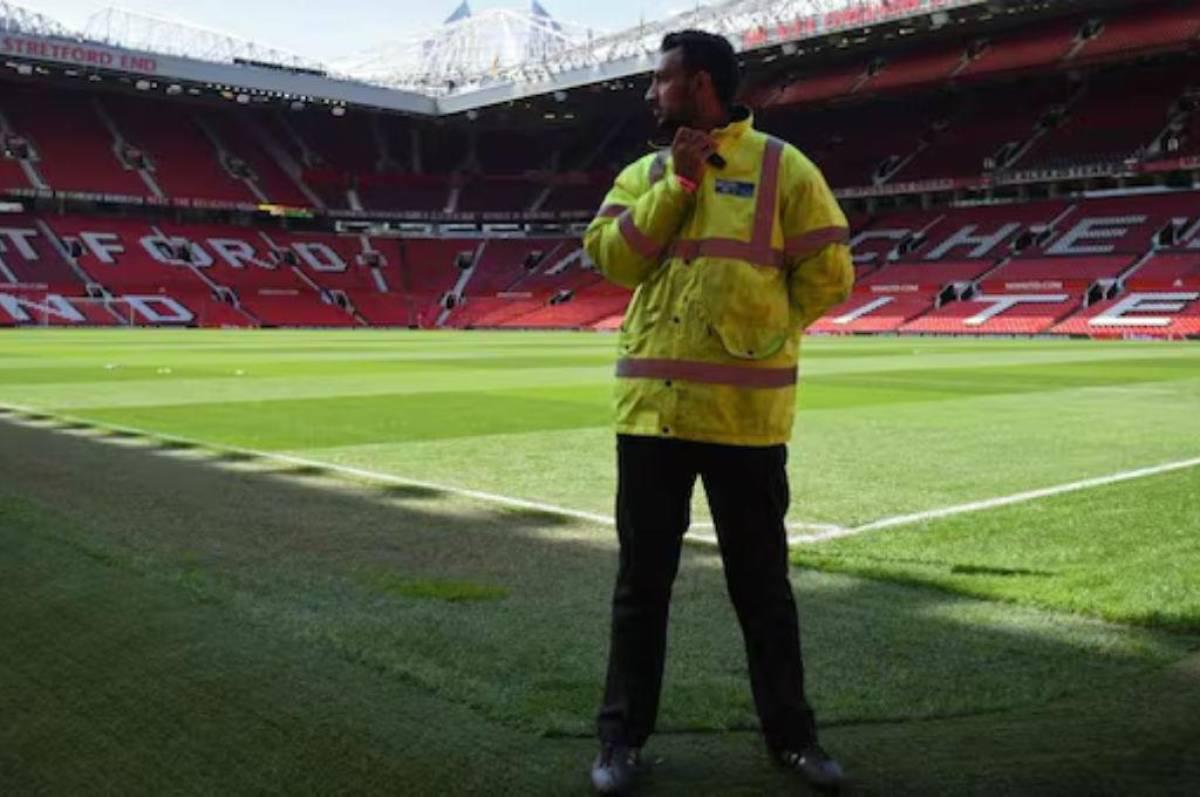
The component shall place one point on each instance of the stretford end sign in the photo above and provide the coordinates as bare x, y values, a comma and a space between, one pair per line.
77, 53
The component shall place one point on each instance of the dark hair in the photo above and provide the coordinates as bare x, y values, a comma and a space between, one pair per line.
707, 52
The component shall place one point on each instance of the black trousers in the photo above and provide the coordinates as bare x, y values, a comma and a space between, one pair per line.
747, 492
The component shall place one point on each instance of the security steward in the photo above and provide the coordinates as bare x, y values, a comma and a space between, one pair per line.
733, 244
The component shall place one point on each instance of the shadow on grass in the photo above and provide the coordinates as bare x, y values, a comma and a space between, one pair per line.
304, 471
175, 445
409, 492
121, 434
533, 518
987, 570
813, 556
283, 562
234, 457
74, 426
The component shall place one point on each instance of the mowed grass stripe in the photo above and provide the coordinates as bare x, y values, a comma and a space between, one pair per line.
349, 420
848, 466
860, 464
182, 366
830, 391
164, 390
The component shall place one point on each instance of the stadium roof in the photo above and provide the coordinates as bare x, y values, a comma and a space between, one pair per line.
158, 34
467, 49
472, 52
17, 19
473, 60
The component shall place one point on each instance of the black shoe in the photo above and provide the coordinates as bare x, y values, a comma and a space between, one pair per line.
814, 765
615, 769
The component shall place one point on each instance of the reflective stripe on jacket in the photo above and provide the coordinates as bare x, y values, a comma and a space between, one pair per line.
725, 282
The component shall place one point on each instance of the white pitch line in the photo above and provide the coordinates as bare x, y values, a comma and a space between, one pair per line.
364, 473
1006, 500
824, 532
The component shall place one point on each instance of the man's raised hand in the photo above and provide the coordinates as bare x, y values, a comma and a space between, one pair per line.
690, 151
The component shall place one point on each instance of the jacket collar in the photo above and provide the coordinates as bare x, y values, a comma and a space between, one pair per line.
742, 121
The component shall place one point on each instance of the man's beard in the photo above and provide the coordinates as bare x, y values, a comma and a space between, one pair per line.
665, 129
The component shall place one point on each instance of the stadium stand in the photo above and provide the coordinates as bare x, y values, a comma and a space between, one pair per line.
1166, 271
503, 263
1150, 314
867, 313
267, 175
1168, 26
75, 151
999, 179
11, 173
962, 144
587, 307
1121, 114
996, 315
184, 161
1054, 274
917, 68
347, 144
24, 307
30, 257
1046, 46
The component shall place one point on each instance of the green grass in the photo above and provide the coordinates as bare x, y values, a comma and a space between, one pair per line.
228, 566
1127, 552
387, 583
886, 426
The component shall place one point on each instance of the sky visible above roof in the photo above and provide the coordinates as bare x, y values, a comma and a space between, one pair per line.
333, 30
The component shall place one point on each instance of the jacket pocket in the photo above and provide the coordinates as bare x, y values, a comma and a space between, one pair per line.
746, 308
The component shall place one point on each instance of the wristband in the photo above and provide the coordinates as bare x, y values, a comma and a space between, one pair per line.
686, 184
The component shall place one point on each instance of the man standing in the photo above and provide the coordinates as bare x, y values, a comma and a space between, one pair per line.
734, 245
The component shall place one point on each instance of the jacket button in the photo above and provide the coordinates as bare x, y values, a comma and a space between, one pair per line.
750, 352
666, 430
675, 319
668, 383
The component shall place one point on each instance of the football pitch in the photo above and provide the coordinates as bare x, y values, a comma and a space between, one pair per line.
376, 561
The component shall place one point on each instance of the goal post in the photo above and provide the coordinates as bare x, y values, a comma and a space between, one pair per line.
104, 311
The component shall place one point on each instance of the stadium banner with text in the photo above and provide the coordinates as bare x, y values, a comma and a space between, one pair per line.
1171, 165
95, 56
465, 217
910, 187
438, 216
851, 17
128, 199
1026, 176
327, 177
244, 76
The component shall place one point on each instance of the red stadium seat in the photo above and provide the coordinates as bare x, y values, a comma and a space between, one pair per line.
1148, 314
77, 153
1170, 26
1013, 314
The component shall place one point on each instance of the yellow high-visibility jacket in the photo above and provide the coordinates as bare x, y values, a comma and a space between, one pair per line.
726, 280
